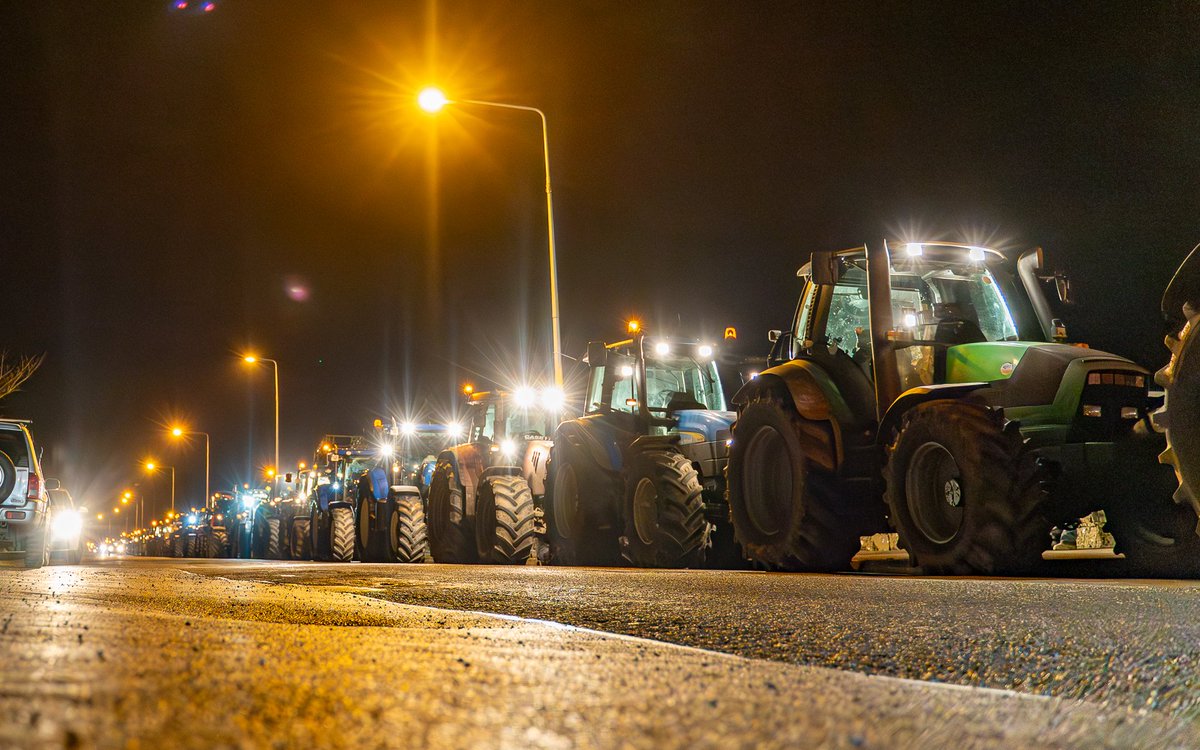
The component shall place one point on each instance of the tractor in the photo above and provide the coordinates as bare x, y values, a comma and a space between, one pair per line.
929, 384
390, 509
212, 537
641, 474
354, 508
484, 493
278, 524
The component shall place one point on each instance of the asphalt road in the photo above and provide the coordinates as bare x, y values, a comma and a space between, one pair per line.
1133, 644
239, 654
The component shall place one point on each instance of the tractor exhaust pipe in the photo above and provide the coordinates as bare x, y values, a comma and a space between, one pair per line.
879, 296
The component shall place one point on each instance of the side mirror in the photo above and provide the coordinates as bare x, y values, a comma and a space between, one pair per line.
773, 335
597, 354
287, 477
824, 268
1062, 285
53, 484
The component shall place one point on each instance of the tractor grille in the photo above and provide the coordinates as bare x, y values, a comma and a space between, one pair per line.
1110, 405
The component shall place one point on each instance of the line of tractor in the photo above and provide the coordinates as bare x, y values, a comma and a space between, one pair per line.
926, 394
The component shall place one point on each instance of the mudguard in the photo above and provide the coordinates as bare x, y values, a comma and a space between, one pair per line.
596, 438
816, 399
537, 452
377, 479
915, 396
465, 463
325, 496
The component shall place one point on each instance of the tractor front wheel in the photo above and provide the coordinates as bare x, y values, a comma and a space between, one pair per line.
505, 530
786, 514
958, 493
450, 532
341, 534
664, 512
576, 500
301, 548
406, 530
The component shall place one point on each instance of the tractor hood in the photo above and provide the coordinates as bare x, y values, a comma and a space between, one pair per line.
1027, 372
703, 425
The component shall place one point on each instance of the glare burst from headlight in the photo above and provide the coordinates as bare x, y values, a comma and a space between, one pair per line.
67, 524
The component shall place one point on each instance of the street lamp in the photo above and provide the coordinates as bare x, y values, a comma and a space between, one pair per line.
179, 432
252, 359
152, 467
432, 100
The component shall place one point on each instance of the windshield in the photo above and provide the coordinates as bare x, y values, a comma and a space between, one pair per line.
12, 442
682, 383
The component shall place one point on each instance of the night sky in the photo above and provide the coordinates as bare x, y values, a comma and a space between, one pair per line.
182, 187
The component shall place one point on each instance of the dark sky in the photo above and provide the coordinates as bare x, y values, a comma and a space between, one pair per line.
168, 176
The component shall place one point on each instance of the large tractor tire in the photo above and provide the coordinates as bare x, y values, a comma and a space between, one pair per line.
505, 523
318, 526
1182, 416
450, 533
341, 534
179, 546
664, 512
570, 490
959, 494
786, 513
218, 544
301, 539
407, 541
37, 548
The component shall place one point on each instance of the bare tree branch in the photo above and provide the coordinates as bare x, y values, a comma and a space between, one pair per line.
13, 374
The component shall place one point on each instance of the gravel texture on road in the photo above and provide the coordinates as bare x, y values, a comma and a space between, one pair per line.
149, 655
1132, 644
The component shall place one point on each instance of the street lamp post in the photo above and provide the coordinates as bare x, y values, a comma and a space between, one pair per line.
151, 466
250, 358
180, 432
432, 100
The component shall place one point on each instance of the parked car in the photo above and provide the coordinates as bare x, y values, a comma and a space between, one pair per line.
66, 524
24, 523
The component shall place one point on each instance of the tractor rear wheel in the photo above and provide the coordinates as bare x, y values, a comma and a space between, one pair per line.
406, 530
274, 540
363, 537
318, 526
570, 491
958, 493
504, 521
301, 538
341, 534
786, 513
450, 532
664, 512
218, 544
179, 546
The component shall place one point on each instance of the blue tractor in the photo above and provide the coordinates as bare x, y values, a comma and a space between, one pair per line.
640, 475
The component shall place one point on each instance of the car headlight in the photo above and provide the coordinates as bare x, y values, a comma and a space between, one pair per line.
66, 524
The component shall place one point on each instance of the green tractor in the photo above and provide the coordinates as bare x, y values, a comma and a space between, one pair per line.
928, 383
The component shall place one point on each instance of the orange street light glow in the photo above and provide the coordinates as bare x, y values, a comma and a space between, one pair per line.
432, 99
250, 358
149, 466
177, 432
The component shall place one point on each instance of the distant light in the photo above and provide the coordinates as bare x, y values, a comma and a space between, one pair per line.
250, 358
525, 397
386, 449
662, 348
705, 351
181, 5
914, 249
626, 371
508, 447
191, 519
553, 398
468, 389
454, 430
408, 429
270, 473
753, 375
150, 466
976, 253
432, 99
177, 432
336, 486
633, 326
209, 7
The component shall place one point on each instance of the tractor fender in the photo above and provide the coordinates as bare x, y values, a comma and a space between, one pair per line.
916, 396
499, 471
537, 454
397, 490
602, 450
817, 401
341, 504
376, 480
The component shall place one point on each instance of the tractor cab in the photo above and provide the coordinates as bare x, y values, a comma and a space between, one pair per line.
657, 386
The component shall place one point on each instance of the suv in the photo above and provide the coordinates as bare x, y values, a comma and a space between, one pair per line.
23, 524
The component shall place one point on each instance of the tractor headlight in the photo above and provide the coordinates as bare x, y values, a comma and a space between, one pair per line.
508, 448
525, 397
191, 519
705, 351
67, 524
552, 399
454, 430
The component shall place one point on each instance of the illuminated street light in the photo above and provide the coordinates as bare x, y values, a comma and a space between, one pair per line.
179, 432
432, 100
252, 359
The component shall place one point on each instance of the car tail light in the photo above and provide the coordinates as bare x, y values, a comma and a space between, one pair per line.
35, 487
